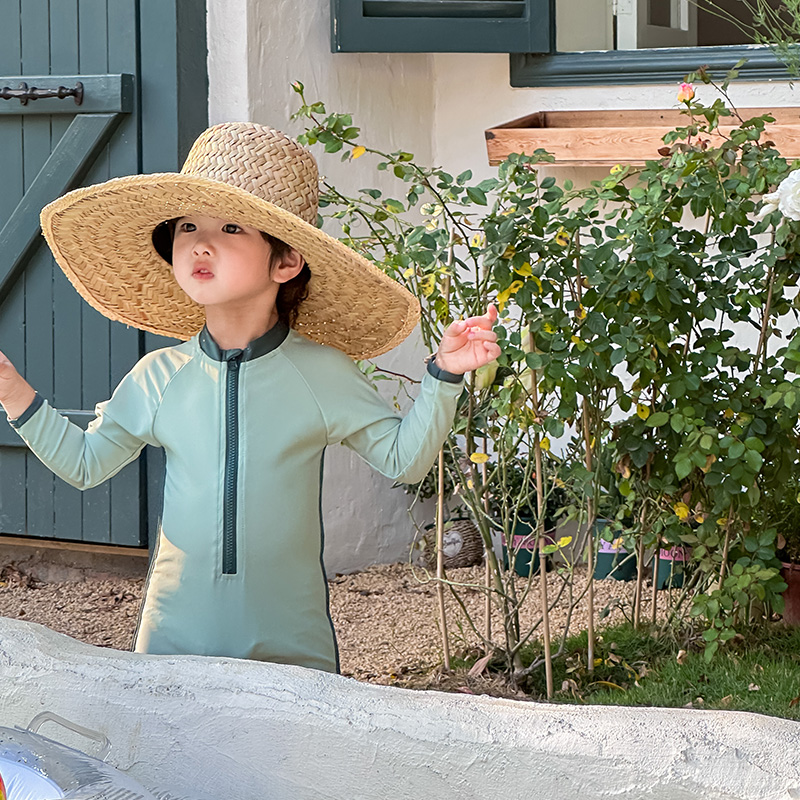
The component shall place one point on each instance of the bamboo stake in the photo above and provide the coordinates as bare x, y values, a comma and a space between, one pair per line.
440, 563
637, 602
537, 449
487, 570
590, 513
440, 498
654, 594
725, 548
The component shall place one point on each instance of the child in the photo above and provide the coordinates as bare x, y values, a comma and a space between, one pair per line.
226, 255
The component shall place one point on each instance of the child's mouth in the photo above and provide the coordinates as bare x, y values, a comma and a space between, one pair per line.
202, 273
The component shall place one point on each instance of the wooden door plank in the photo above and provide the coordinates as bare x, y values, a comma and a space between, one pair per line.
38, 364
86, 135
128, 498
14, 459
95, 334
67, 373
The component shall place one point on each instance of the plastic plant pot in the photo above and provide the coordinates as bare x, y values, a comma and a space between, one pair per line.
525, 549
672, 567
613, 561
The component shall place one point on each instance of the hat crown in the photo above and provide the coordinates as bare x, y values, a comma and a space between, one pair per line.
260, 160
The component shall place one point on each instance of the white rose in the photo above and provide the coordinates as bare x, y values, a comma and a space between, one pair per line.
786, 198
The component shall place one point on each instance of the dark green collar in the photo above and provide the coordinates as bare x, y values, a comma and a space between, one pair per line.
272, 339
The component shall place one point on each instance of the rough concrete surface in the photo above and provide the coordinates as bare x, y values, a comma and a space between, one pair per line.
208, 728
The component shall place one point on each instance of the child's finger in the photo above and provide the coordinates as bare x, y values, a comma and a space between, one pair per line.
486, 320
476, 334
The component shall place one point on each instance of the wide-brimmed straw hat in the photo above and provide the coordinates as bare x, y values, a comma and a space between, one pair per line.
102, 237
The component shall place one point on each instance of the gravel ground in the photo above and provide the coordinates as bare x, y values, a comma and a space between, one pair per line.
386, 617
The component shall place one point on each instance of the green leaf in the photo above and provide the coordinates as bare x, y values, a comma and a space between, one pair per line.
683, 468
754, 460
657, 420
736, 450
478, 196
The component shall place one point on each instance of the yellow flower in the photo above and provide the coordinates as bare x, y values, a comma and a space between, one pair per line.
616, 169
564, 541
681, 511
477, 240
470, 484
562, 238
409, 272
700, 517
503, 297
359, 151
545, 444
478, 458
581, 312
525, 271
685, 93
650, 274
427, 285
642, 411
549, 327
558, 482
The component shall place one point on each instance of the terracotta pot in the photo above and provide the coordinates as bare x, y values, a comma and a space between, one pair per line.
791, 597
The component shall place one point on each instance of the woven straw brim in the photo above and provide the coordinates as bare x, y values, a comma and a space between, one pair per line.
101, 237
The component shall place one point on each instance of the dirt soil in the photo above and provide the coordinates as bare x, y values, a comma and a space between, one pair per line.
386, 618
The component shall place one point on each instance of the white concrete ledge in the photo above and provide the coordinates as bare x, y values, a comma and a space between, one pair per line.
208, 728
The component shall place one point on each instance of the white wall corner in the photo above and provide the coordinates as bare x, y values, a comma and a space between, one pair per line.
228, 73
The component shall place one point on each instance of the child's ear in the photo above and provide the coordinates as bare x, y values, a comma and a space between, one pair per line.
288, 266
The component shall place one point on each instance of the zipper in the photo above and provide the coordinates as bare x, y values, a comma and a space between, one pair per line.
231, 464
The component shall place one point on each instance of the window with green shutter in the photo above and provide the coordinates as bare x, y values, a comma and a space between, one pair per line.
565, 42
438, 26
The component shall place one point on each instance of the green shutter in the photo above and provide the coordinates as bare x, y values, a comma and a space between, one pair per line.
439, 26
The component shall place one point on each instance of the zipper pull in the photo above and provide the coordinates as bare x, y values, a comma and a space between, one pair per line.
235, 359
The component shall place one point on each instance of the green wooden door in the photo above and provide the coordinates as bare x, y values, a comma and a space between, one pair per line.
141, 67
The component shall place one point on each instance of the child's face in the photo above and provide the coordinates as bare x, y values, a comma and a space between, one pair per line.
222, 264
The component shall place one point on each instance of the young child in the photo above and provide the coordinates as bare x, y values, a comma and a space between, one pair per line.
226, 255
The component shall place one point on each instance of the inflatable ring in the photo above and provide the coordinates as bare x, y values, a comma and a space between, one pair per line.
33, 767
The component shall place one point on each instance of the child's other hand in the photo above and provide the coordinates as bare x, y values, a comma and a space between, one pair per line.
468, 344
16, 394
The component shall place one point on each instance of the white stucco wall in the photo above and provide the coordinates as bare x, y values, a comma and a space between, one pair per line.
434, 105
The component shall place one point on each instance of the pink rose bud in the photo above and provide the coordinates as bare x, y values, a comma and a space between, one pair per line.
685, 93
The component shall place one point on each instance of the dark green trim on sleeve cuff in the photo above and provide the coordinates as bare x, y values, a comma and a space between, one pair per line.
35, 405
441, 374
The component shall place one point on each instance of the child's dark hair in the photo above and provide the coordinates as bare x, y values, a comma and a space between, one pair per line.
290, 295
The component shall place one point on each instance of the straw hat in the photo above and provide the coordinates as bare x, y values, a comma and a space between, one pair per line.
102, 237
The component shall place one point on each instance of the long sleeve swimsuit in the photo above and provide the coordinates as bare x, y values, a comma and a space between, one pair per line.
238, 568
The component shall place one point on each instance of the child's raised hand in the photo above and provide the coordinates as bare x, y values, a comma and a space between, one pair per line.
16, 394
468, 344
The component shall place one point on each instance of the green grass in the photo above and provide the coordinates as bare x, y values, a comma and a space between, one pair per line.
638, 668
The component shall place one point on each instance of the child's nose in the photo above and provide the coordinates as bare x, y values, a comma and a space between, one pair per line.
202, 246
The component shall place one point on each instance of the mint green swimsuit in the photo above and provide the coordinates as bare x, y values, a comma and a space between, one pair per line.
238, 566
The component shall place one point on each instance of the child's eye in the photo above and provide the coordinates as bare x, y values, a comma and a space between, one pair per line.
187, 227
230, 227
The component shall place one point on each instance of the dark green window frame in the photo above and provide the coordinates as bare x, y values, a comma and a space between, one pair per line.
657, 65
440, 26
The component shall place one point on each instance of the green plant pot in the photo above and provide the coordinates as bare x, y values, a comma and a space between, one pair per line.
526, 551
614, 563
672, 567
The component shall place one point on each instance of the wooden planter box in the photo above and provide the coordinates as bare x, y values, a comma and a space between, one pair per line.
605, 138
